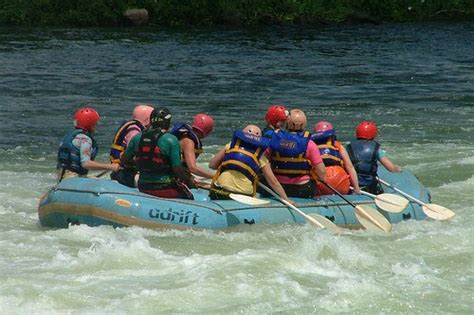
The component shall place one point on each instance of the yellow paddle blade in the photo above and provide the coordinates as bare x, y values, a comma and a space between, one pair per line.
249, 200
391, 202
371, 219
328, 224
437, 212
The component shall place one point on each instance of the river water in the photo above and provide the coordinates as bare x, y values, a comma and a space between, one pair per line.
415, 80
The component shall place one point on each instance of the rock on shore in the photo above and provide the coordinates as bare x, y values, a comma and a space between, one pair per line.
136, 17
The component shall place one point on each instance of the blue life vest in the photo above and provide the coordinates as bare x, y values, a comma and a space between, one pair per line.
289, 153
181, 130
148, 156
363, 154
69, 156
328, 147
118, 144
244, 155
268, 132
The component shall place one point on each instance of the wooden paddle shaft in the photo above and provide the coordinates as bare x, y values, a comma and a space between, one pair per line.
367, 194
101, 174
401, 192
338, 193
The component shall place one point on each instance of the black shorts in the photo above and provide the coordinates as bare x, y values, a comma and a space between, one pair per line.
307, 190
125, 177
375, 188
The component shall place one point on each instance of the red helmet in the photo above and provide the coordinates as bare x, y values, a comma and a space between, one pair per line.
322, 126
366, 130
86, 118
204, 123
276, 113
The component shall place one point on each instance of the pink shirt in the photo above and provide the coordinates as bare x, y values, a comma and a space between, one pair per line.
312, 154
132, 133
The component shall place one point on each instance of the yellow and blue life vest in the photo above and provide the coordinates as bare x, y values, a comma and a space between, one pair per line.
181, 130
289, 153
328, 147
268, 132
69, 156
244, 155
118, 144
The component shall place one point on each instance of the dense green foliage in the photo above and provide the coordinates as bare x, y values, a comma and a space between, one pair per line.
233, 12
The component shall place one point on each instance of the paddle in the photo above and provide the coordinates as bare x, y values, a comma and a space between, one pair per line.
369, 217
315, 219
388, 202
431, 210
248, 200
101, 174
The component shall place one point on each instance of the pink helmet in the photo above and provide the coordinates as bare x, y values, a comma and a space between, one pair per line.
142, 114
322, 126
203, 123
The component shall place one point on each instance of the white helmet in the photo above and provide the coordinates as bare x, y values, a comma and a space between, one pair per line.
253, 130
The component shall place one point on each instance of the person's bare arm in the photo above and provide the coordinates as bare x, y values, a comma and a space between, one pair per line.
274, 183
92, 165
389, 165
216, 161
187, 146
320, 171
349, 167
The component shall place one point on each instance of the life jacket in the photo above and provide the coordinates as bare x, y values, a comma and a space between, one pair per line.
181, 130
328, 148
69, 156
244, 155
363, 154
289, 153
148, 157
268, 132
118, 144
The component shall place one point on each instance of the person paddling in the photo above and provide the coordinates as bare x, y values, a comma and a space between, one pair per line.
157, 156
239, 165
190, 141
364, 154
275, 117
340, 172
78, 148
295, 159
127, 130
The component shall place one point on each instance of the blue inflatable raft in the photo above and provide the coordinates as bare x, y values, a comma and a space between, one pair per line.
104, 202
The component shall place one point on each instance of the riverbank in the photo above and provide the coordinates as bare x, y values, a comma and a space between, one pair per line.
231, 12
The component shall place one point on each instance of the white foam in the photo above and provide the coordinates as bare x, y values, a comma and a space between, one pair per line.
466, 160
